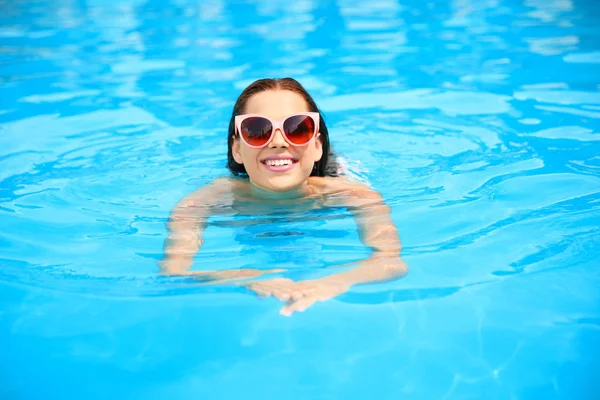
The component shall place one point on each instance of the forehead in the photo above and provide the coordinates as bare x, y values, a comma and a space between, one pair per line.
276, 104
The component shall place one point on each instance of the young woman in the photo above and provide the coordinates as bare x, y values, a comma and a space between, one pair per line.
279, 154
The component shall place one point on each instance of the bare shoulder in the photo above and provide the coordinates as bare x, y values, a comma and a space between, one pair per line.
332, 185
340, 191
215, 192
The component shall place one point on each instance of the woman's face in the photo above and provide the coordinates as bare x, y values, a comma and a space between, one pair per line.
277, 105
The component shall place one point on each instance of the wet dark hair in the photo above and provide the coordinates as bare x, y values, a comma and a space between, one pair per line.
326, 166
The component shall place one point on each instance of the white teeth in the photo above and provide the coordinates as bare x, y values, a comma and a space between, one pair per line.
278, 163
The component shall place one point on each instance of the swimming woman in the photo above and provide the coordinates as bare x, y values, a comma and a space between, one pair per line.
279, 152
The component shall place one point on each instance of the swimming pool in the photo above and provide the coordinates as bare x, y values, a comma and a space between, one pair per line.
477, 121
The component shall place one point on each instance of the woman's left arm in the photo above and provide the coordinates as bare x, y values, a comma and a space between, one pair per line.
376, 230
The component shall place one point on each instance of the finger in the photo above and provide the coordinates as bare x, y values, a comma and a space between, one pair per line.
232, 276
260, 291
251, 273
281, 295
270, 284
297, 295
282, 292
278, 288
263, 294
297, 306
303, 292
305, 289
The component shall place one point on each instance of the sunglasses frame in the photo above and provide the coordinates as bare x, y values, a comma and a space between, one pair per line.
276, 124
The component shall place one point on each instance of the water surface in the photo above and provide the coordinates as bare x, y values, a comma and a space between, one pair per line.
477, 121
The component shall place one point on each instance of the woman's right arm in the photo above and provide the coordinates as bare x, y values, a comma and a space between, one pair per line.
186, 233
186, 227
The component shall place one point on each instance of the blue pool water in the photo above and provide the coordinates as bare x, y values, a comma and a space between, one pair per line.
478, 121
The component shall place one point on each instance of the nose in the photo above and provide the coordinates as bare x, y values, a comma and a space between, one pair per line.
278, 140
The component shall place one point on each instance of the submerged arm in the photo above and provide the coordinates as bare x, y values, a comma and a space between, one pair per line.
185, 231
186, 234
376, 230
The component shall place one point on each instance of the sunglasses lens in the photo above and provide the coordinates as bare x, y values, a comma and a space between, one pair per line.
256, 131
299, 129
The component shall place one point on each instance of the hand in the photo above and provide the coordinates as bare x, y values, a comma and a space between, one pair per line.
380, 267
299, 295
219, 276
234, 274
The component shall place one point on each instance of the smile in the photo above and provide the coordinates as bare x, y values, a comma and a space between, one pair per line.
279, 164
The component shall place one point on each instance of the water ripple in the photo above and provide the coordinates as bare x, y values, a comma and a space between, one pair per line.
477, 121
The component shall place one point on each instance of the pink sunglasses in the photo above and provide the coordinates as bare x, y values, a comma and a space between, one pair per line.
257, 130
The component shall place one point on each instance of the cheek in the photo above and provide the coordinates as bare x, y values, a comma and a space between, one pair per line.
249, 155
313, 152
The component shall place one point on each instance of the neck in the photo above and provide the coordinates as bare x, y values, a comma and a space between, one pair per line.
294, 193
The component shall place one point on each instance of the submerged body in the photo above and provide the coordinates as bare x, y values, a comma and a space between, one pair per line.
278, 139
235, 196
